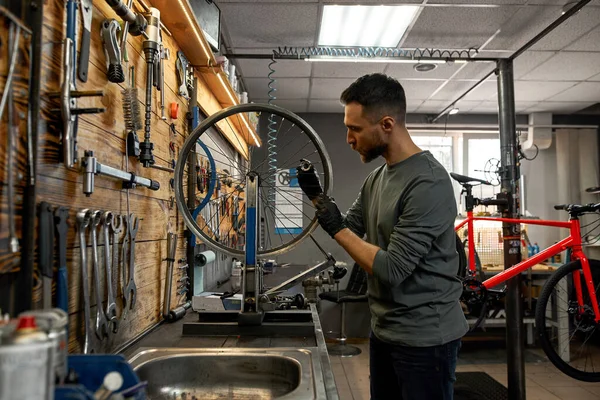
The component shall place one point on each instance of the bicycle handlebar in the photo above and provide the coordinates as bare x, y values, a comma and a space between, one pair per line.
578, 208
492, 202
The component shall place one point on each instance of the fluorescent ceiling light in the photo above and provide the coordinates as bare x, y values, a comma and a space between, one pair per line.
453, 111
377, 60
381, 26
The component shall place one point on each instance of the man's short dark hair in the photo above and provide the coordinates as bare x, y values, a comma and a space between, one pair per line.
379, 94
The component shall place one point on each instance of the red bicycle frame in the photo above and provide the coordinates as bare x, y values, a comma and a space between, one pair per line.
573, 241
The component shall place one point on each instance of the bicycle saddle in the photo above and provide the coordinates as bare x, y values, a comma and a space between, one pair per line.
462, 179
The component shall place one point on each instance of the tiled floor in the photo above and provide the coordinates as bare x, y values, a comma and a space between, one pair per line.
543, 380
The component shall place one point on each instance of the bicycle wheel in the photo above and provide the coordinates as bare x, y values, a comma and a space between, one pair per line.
473, 299
462, 258
462, 249
286, 216
569, 337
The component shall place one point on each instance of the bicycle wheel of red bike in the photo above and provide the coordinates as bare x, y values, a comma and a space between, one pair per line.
569, 335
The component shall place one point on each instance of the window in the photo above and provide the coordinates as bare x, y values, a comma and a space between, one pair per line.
439, 146
480, 151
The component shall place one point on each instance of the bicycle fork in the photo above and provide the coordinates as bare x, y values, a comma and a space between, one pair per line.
587, 275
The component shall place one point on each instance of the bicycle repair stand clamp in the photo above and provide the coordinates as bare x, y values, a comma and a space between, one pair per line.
92, 167
68, 106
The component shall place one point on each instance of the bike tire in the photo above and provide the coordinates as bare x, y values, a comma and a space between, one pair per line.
462, 273
462, 258
212, 240
540, 320
463, 266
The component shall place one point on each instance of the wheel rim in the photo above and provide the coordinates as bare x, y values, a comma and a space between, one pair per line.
289, 128
571, 337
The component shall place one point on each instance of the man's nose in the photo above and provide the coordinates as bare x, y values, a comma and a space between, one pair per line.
349, 137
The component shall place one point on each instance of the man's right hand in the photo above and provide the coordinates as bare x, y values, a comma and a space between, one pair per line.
309, 182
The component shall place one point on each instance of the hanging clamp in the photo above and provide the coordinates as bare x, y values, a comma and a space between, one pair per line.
68, 106
92, 167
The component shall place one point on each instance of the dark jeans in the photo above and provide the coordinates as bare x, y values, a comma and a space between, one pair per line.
412, 373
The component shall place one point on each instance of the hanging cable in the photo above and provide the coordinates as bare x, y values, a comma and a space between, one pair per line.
272, 134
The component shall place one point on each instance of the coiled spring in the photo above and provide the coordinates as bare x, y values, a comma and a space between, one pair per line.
272, 135
375, 52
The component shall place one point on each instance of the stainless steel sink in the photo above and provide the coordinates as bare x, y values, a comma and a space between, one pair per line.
230, 373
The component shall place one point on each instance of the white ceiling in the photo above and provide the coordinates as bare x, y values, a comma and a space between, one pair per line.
561, 73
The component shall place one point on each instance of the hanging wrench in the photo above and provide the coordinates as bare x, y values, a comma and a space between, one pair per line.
101, 325
124, 281
111, 305
132, 225
117, 228
83, 221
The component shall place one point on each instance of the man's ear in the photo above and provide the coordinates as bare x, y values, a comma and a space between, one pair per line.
387, 123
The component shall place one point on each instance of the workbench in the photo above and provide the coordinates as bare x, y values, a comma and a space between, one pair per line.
309, 336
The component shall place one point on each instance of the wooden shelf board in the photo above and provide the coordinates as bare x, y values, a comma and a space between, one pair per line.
215, 94
226, 96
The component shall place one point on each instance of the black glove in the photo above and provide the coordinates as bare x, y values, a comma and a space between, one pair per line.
329, 215
309, 181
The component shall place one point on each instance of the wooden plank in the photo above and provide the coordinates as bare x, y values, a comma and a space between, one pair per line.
104, 133
154, 212
215, 77
10, 262
185, 29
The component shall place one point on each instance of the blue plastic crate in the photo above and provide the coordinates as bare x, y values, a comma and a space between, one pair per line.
92, 369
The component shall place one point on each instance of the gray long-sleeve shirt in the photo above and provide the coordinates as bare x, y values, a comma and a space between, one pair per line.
408, 210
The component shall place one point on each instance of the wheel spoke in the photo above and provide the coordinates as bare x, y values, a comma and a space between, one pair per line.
237, 137
290, 191
274, 214
294, 205
273, 211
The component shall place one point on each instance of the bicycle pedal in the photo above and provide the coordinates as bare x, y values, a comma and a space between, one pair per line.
497, 292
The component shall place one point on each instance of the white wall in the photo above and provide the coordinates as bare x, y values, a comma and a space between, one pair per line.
577, 163
560, 175
541, 194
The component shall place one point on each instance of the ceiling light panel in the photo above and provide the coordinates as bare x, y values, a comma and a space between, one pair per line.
381, 26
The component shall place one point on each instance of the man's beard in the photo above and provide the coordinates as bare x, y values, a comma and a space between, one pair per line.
373, 153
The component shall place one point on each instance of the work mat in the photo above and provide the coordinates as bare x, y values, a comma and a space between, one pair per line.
493, 353
478, 386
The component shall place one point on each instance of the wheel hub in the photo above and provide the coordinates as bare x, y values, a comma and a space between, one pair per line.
583, 317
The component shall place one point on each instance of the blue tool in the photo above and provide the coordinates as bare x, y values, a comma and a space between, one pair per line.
61, 214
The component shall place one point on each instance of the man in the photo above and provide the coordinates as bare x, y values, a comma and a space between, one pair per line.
406, 210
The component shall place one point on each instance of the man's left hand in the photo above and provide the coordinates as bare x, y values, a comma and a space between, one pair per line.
329, 215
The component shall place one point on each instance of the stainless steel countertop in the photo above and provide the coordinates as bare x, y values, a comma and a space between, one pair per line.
169, 335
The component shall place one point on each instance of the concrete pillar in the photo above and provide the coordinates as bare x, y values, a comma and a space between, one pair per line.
567, 166
588, 164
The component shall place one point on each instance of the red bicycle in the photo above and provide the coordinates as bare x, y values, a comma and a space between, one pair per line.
567, 315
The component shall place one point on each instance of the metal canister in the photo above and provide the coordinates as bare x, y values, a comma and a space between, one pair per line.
54, 323
236, 276
25, 364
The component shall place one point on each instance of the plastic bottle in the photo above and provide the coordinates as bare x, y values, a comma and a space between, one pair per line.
529, 251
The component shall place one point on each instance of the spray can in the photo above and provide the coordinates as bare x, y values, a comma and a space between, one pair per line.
26, 363
236, 276
54, 323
